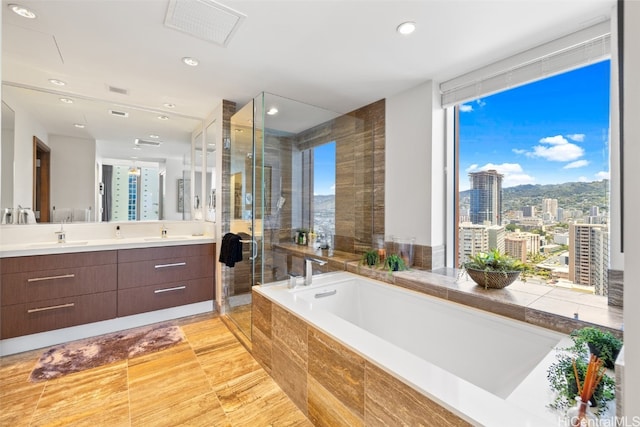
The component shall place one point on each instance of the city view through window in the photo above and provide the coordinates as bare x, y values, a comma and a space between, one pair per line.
533, 177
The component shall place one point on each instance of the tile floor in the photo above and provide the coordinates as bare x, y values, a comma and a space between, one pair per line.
208, 380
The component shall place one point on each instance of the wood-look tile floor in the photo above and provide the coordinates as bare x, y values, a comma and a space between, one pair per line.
207, 380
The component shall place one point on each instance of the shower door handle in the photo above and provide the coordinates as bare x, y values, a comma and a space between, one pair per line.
254, 250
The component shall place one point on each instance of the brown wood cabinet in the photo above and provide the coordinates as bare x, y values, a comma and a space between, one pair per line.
46, 292
157, 278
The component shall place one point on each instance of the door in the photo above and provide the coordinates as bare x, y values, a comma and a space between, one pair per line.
41, 183
247, 206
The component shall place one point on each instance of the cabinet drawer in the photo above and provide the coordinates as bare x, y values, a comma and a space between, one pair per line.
165, 252
157, 297
33, 317
144, 273
62, 282
57, 261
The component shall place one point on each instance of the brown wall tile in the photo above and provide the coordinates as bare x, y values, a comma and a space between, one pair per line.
325, 410
390, 402
289, 331
290, 376
339, 370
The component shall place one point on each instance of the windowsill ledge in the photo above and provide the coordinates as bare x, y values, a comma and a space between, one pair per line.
543, 305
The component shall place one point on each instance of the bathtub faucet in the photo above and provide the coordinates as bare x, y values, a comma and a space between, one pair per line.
308, 271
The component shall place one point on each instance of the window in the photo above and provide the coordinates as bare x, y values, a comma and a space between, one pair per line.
533, 176
324, 188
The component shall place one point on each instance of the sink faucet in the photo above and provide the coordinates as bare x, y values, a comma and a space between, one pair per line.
62, 237
163, 231
309, 269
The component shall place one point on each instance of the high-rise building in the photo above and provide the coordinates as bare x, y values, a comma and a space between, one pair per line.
529, 211
473, 239
496, 237
550, 206
486, 197
516, 247
589, 256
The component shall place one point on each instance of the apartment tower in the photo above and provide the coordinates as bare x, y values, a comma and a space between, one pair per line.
486, 198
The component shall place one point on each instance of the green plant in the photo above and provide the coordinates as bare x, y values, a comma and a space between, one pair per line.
394, 262
601, 343
561, 376
371, 258
495, 260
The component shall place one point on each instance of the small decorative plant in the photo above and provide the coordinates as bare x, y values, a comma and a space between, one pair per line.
562, 378
494, 269
394, 263
601, 343
371, 258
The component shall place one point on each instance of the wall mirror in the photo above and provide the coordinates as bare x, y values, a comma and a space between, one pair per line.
109, 161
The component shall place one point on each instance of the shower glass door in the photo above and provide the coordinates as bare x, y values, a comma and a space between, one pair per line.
246, 210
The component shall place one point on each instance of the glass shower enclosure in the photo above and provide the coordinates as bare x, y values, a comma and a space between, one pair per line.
271, 191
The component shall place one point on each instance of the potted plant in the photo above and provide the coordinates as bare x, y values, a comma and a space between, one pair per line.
561, 376
371, 258
602, 344
394, 263
494, 269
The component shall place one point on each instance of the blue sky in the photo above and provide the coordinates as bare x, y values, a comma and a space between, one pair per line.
324, 169
548, 132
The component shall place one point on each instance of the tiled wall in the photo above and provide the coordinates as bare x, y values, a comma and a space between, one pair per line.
329, 382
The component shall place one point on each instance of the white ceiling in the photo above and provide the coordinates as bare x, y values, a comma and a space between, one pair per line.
339, 55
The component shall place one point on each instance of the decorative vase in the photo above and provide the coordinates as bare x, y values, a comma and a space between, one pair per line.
580, 414
493, 279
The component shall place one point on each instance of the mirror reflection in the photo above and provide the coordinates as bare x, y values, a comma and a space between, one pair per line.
105, 161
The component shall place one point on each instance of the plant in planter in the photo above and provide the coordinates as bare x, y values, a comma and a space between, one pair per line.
371, 258
494, 269
602, 344
561, 376
394, 263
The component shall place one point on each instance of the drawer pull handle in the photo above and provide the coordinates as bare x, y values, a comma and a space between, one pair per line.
39, 279
52, 307
177, 288
175, 264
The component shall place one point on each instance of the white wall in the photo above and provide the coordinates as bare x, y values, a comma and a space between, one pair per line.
72, 172
631, 206
26, 127
415, 164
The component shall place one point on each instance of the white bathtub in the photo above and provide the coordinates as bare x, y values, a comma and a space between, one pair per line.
489, 369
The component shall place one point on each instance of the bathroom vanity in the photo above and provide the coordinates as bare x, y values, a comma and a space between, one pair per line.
45, 288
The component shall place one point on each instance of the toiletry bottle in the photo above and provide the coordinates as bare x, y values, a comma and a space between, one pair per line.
118, 235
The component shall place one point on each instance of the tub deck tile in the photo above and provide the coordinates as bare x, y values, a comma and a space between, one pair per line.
338, 369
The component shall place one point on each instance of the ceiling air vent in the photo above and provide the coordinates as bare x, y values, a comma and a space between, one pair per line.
205, 19
148, 143
118, 113
119, 90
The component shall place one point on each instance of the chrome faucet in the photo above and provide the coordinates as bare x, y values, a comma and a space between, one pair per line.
62, 236
308, 270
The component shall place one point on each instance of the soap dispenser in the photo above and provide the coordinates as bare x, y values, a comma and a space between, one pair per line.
118, 234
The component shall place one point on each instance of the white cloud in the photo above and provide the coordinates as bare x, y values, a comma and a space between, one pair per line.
480, 102
504, 168
466, 108
583, 179
577, 137
559, 149
472, 168
603, 175
554, 140
576, 164
519, 151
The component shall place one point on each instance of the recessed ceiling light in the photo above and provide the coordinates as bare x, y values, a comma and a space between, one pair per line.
57, 82
163, 117
154, 136
79, 125
169, 105
66, 100
192, 62
22, 11
272, 111
406, 28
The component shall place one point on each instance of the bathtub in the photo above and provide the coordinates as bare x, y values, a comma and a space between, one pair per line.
487, 369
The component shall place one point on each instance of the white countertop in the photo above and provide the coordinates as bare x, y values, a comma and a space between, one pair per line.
72, 246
